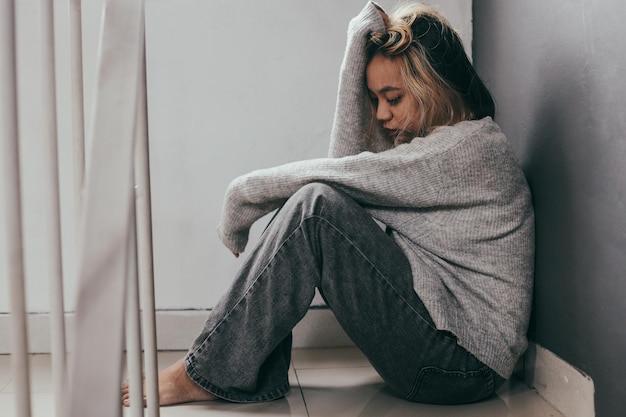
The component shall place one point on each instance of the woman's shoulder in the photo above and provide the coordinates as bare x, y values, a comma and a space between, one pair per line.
482, 148
480, 144
445, 138
467, 140
485, 127
470, 134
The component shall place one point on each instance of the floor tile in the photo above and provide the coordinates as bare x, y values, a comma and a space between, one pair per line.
328, 358
42, 404
361, 392
40, 375
6, 373
524, 402
291, 405
325, 382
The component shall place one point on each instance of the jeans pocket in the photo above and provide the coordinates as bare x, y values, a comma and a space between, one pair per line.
437, 386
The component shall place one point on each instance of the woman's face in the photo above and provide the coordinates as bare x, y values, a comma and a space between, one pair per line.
396, 109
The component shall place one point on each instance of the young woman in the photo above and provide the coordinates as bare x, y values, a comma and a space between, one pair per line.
439, 298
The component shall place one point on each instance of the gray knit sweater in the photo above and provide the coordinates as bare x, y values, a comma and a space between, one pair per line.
456, 202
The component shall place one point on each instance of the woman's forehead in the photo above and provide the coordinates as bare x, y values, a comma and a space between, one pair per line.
383, 75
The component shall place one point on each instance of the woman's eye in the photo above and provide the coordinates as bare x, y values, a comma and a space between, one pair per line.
394, 101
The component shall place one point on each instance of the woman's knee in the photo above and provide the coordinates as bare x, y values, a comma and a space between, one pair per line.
316, 190
313, 198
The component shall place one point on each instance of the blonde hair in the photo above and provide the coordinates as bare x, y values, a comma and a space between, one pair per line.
433, 66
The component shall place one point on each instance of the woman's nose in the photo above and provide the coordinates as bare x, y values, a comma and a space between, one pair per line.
383, 113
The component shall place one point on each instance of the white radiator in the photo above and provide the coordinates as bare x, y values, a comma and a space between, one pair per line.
114, 231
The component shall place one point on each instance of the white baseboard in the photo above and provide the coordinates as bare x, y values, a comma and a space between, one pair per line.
569, 390
562, 385
319, 328
176, 330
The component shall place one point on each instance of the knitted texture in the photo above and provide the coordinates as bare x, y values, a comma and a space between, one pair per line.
456, 202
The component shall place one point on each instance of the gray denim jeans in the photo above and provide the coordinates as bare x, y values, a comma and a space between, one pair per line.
323, 239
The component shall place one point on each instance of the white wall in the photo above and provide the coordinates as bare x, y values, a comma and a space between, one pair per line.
233, 86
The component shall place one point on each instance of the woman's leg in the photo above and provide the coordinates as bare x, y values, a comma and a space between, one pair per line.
321, 238
380, 311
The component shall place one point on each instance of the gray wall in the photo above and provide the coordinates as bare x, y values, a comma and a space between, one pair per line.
558, 76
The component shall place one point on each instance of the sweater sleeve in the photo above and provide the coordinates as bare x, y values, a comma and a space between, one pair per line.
352, 112
387, 179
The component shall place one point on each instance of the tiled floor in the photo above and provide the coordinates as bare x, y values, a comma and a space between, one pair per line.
325, 383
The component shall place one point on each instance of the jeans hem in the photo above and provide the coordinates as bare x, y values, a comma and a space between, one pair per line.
269, 395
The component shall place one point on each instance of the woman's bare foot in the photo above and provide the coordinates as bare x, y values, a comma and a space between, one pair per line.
175, 387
